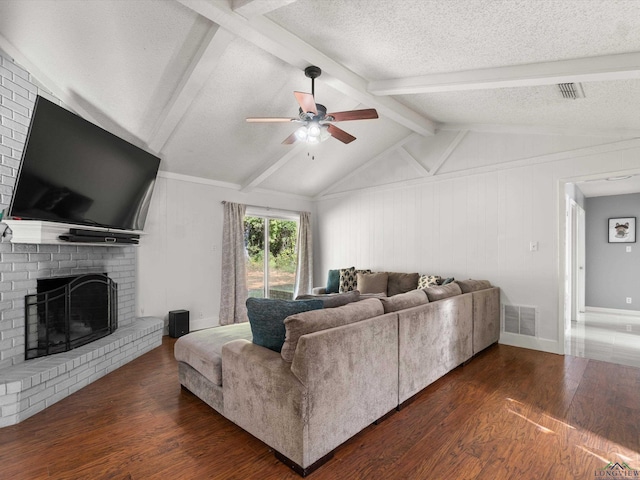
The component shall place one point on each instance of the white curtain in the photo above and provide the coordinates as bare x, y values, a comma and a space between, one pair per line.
304, 269
234, 291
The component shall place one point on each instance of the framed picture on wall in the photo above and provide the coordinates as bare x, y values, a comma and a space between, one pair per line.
622, 230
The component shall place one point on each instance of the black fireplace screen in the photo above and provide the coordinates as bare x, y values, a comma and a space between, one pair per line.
68, 312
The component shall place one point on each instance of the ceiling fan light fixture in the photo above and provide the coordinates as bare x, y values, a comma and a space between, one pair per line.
302, 134
316, 122
324, 133
313, 130
312, 133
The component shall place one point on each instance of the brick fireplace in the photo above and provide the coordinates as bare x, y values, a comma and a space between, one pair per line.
27, 387
21, 265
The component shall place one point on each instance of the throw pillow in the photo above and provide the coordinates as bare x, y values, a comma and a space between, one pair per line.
348, 279
447, 281
372, 282
333, 281
439, 292
427, 281
401, 283
334, 299
266, 316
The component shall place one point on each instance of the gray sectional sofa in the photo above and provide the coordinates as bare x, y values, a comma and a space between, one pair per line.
340, 369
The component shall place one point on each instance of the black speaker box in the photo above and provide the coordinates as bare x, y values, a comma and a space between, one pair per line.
178, 323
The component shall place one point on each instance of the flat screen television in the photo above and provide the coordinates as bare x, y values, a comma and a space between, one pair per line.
73, 171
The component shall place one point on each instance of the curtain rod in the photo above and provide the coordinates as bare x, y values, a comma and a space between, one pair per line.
266, 208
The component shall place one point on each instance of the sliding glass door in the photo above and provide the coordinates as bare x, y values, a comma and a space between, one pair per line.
271, 247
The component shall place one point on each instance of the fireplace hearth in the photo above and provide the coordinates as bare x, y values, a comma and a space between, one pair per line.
68, 312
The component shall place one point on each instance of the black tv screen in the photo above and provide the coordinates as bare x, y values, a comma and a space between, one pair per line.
75, 172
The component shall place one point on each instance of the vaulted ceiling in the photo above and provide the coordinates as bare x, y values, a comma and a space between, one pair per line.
180, 76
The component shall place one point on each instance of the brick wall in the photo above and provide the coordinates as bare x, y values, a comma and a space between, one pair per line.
22, 264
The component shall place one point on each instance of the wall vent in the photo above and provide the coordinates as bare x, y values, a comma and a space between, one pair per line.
571, 90
521, 320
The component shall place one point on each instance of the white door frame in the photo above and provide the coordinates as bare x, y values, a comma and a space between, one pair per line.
576, 260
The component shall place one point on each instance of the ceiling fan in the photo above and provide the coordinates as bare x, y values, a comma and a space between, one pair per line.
316, 123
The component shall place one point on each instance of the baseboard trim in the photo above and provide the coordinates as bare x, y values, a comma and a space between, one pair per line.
302, 471
384, 417
614, 311
532, 343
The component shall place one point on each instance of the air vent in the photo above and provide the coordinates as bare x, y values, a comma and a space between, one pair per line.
571, 90
520, 320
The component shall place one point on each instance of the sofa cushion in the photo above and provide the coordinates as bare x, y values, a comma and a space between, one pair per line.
266, 316
372, 295
401, 282
470, 285
334, 299
202, 349
442, 291
427, 281
313, 321
404, 300
372, 282
333, 281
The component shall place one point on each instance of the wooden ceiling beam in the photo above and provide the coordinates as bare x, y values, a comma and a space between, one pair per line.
195, 77
277, 41
253, 8
590, 69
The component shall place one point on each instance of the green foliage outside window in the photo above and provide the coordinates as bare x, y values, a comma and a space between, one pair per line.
282, 243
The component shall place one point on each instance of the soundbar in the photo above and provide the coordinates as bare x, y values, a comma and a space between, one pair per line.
97, 239
103, 234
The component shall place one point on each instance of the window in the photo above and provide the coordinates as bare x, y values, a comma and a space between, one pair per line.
271, 248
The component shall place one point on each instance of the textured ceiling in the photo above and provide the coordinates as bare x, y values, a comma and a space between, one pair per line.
381, 39
180, 76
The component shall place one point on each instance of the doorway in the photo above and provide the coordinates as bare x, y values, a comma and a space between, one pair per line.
603, 331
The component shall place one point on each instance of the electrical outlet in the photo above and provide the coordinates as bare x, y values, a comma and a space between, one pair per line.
628, 249
533, 246
628, 328
628, 299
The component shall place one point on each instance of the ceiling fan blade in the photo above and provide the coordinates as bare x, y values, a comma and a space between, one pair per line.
307, 102
366, 114
340, 134
290, 139
270, 119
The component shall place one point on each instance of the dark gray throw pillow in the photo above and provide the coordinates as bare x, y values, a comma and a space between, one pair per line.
266, 316
333, 281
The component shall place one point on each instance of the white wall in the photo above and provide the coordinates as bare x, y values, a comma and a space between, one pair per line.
179, 258
471, 225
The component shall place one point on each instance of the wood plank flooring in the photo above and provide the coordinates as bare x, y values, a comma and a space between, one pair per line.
510, 413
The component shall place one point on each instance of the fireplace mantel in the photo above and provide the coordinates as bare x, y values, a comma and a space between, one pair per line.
38, 232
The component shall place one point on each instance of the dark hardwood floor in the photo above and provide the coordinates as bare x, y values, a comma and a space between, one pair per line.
510, 413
